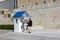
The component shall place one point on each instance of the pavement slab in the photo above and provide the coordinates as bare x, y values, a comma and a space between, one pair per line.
35, 35
4, 31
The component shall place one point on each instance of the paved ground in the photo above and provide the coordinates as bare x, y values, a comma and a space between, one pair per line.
35, 35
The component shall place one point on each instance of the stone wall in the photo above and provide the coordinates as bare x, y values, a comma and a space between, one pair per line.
48, 18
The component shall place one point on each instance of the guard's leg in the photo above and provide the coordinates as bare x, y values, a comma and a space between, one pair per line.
29, 29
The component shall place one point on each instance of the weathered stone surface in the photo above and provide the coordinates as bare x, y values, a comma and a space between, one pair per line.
35, 35
48, 18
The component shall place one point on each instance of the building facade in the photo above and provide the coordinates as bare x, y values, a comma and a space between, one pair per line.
30, 3
45, 13
9, 4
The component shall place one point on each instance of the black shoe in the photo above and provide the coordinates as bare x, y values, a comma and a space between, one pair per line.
29, 32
